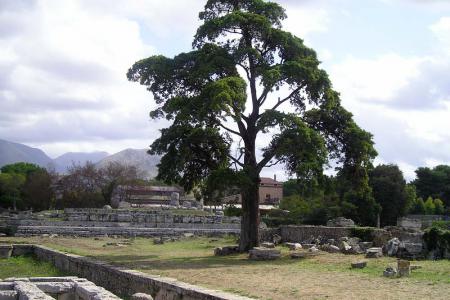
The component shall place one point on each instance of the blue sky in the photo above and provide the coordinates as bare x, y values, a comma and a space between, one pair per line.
63, 65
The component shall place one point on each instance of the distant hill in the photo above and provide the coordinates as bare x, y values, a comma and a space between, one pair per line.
11, 152
80, 158
135, 157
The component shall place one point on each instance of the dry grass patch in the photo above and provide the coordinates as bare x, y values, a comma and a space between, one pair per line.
326, 276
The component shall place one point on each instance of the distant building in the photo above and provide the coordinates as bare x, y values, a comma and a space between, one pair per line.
143, 195
270, 192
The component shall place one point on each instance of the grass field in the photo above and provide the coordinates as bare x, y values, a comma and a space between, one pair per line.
326, 276
26, 266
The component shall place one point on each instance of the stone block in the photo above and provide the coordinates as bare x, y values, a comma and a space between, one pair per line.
227, 250
390, 272
141, 296
267, 245
293, 246
374, 252
260, 253
8, 295
330, 248
403, 267
359, 265
6, 251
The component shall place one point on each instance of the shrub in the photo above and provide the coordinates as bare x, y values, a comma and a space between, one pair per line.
441, 224
366, 234
437, 239
232, 211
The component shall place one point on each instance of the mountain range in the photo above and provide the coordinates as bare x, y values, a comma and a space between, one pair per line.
11, 152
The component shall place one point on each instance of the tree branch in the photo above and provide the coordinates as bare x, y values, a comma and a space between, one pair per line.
229, 129
272, 164
236, 161
281, 101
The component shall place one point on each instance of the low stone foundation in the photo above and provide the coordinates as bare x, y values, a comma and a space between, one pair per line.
50, 288
124, 282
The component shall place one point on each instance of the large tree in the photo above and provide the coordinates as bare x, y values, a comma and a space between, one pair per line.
389, 190
434, 182
245, 83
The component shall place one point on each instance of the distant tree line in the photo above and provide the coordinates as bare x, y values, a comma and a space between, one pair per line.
27, 186
316, 200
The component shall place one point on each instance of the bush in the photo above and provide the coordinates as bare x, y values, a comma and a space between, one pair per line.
277, 217
441, 224
232, 211
437, 239
366, 234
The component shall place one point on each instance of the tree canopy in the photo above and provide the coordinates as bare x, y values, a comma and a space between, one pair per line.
389, 190
434, 183
246, 81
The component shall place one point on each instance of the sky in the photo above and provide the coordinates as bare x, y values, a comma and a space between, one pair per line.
63, 63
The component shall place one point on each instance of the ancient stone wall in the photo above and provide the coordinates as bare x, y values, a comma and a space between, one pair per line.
291, 233
126, 282
122, 222
418, 222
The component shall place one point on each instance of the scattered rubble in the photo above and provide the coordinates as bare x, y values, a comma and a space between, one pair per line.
390, 272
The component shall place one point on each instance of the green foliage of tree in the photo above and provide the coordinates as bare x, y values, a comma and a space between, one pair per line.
217, 115
37, 190
389, 190
411, 197
21, 168
25, 186
434, 183
439, 206
418, 206
429, 206
302, 211
10, 190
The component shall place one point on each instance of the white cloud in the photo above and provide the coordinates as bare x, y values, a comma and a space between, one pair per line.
62, 77
404, 101
302, 21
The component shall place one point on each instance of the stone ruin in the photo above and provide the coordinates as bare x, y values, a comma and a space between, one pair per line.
117, 222
48, 288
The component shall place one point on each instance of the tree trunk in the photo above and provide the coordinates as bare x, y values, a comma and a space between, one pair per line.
250, 216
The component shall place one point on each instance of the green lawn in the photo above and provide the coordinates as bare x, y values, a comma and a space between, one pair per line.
324, 276
26, 266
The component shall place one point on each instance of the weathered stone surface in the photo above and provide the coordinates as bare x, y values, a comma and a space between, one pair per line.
28, 291
411, 250
345, 247
359, 265
227, 250
403, 267
307, 246
330, 248
158, 241
374, 252
303, 254
267, 245
365, 245
8, 295
390, 272
5, 251
392, 246
276, 239
141, 296
260, 253
313, 249
340, 222
293, 246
